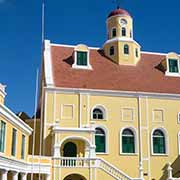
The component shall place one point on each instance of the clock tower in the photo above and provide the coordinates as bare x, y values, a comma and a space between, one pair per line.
120, 46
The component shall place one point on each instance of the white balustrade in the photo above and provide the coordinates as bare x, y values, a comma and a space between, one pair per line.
74, 162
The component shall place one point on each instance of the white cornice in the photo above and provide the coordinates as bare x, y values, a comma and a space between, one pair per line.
99, 92
15, 120
121, 39
60, 129
72, 46
48, 63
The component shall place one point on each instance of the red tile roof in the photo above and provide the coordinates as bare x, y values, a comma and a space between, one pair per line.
106, 75
118, 12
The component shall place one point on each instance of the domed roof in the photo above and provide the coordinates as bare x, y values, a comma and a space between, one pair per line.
118, 12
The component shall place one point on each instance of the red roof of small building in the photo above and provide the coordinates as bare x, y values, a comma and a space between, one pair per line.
106, 75
118, 12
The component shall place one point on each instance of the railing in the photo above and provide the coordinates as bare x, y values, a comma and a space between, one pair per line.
72, 162
67, 162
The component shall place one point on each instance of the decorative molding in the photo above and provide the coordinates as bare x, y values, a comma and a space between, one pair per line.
114, 93
15, 120
122, 39
62, 110
73, 46
57, 129
48, 63
133, 113
153, 115
10, 164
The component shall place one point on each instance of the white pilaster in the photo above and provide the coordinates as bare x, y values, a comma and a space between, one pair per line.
4, 174
15, 176
23, 176
56, 151
48, 177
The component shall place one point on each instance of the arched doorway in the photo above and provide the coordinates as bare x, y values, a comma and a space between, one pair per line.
70, 150
74, 177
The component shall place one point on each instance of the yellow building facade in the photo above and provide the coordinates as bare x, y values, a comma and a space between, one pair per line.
110, 112
104, 113
15, 161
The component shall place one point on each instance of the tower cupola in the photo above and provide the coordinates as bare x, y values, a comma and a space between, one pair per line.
120, 45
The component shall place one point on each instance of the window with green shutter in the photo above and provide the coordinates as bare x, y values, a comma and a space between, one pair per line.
173, 65
2, 135
81, 58
128, 141
23, 147
100, 140
159, 146
13, 147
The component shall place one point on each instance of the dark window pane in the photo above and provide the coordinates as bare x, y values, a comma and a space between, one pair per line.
126, 49
98, 114
173, 65
114, 32
111, 51
82, 58
123, 31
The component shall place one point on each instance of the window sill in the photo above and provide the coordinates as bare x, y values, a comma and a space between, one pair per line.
99, 153
98, 119
129, 154
156, 154
87, 67
172, 74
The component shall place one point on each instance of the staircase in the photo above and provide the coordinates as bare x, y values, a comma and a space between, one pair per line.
66, 162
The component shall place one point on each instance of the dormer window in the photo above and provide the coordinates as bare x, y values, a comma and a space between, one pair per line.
172, 65
81, 57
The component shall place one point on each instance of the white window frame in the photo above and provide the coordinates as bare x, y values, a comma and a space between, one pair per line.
103, 109
135, 141
75, 65
106, 139
178, 118
166, 142
168, 73
179, 143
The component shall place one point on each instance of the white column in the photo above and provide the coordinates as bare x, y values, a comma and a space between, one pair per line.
23, 176
4, 174
56, 150
48, 177
15, 176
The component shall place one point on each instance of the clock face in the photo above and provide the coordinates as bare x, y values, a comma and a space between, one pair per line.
123, 22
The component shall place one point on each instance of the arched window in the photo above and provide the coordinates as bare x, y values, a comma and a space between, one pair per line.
128, 141
100, 140
159, 146
126, 49
113, 32
98, 114
123, 31
111, 51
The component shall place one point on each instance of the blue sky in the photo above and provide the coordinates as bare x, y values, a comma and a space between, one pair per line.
156, 28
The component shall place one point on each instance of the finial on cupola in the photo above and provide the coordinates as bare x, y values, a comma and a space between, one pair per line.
118, 3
